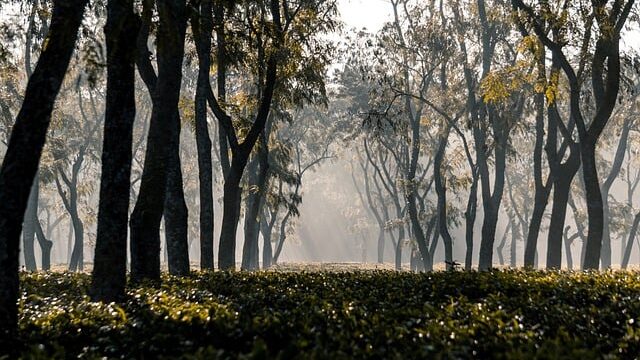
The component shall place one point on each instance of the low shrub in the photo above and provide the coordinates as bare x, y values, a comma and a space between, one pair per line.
356, 314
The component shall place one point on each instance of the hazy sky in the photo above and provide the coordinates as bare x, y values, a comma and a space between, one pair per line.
365, 13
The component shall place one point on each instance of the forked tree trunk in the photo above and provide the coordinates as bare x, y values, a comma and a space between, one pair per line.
147, 213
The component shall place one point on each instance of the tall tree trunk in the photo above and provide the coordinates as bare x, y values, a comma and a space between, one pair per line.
502, 243
632, 236
513, 253
29, 231
45, 245
109, 274
77, 254
241, 151
252, 216
441, 190
230, 210
266, 229
561, 190
616, 166
398, 253
282, 238
202, 25
147, 213
110, 260
175, 209
221, 70
542, 190
25, 148
470, 221
594, 206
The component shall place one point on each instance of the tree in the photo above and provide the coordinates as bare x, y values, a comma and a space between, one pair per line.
148, 211
202, 26
27, 139
279, 70
110, 262
605, 81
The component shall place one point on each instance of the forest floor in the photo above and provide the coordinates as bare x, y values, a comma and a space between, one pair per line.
348, 313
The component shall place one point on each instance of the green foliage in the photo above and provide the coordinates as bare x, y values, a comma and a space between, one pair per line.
380, 314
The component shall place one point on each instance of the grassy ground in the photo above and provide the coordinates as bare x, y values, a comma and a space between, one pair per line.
341, 313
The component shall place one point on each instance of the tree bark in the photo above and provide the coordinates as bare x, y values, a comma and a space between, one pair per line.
202, 25
441, 191
45, 245
632, 236
594, 206
77, 254
542, 190
109, 274
25, 148
252, 215
605, 256
29, 231
266, 229
241, 151
561, 190
147, 213
502, 243
175, 209
470, 220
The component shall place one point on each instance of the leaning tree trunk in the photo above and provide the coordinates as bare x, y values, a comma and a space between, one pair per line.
45, 245
147, 213
25, 148
632, 236
202, 25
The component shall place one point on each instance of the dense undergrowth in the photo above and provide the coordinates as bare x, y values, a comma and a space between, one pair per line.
365, 314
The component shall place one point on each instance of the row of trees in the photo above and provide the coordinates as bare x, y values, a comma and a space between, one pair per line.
504, 103
497, 102
269, 60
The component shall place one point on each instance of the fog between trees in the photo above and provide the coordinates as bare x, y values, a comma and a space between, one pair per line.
239, 134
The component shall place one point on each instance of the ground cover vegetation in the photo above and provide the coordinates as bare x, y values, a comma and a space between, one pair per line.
338, 314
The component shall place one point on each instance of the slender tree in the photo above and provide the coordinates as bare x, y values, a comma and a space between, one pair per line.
110, 260
202, 25
149, 208
27, 139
